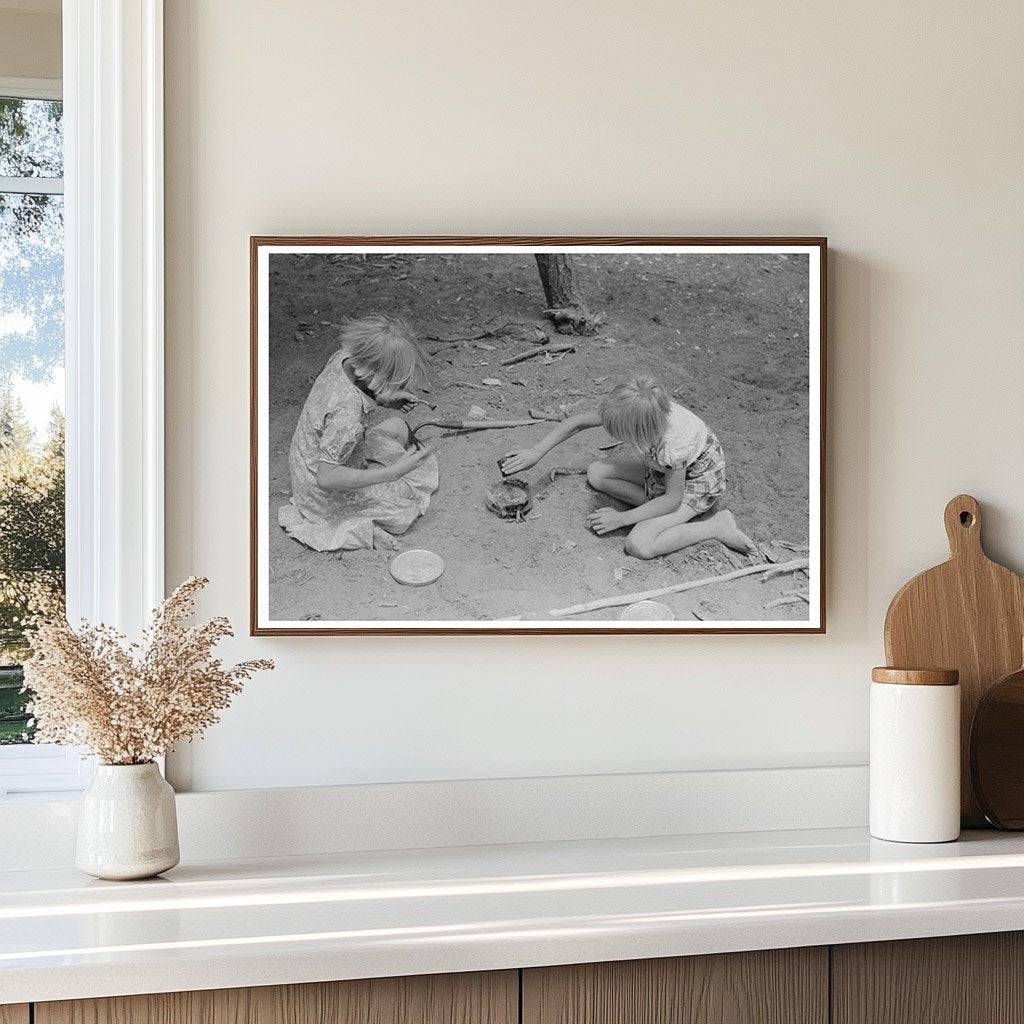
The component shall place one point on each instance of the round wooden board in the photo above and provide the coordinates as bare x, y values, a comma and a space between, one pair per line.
417, 568
647, 611
997, 746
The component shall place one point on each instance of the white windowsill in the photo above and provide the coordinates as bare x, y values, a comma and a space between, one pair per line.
42, 771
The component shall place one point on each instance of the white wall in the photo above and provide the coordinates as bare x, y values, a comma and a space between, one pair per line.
895, 129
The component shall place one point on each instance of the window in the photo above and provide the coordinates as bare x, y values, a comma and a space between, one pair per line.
32, 548
108, 208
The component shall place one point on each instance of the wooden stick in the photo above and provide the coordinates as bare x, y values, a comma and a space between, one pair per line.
791, 597
493, 424
534, 352
785, 567
476, 424
677, 588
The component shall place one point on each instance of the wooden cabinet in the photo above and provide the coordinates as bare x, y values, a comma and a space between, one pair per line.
778, 986
962, 979
970, 979
491, 998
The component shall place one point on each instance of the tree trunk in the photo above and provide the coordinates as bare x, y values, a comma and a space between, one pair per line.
566, 306
558, 277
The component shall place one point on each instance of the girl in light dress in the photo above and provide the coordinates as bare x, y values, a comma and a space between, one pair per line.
353, 485
680, 473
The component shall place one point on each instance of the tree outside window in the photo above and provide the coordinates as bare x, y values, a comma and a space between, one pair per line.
31, 387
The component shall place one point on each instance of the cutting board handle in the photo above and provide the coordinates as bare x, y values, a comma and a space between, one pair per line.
963, 526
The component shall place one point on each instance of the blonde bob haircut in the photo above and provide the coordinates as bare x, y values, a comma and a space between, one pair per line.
637, 411
383, 352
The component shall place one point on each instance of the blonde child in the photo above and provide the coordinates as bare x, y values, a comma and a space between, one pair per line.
680, 473
353, 485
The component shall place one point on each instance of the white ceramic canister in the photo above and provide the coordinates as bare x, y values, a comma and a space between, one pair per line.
127, 825
915, 755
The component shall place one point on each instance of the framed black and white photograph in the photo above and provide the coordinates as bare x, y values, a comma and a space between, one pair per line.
537, 435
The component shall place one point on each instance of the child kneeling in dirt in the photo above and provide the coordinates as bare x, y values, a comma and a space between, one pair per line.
353, 485
679, 476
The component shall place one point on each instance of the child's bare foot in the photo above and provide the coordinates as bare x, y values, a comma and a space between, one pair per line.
383, 541
730, 534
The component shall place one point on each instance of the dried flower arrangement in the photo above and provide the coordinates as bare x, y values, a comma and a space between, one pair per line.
129, 703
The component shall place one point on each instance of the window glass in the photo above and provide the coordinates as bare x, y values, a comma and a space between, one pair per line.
31, 138
31, 387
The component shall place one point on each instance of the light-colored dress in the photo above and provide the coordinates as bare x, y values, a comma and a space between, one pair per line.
332, 429
688, 443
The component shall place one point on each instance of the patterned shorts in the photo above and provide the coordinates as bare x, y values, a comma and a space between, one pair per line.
705, 478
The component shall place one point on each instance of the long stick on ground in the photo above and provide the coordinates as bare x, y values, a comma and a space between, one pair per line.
677, 588
534, 352
474, 425
488, 424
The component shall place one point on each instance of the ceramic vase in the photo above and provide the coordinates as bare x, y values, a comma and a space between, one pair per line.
127, 825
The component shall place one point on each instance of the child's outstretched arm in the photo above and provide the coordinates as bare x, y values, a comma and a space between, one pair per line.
348, 478
518, 461
605, 520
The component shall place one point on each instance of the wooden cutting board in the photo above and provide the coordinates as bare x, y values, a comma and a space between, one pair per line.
967, 614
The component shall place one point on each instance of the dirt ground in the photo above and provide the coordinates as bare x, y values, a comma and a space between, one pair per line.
726, 334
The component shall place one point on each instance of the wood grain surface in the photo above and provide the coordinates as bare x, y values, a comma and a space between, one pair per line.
915, 676
997, 752
779, 986
967, 614
480, 998
14, 1013
962, 979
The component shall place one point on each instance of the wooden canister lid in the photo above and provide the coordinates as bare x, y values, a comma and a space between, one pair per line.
916, 676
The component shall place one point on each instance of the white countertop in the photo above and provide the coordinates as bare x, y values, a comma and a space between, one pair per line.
262, 922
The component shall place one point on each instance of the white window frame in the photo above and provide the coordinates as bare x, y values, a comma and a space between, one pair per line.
114, 325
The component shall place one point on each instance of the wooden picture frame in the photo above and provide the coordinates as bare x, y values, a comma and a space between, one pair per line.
262, 248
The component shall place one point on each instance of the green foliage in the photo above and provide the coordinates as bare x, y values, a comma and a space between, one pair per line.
32, 550
14, 727
31, 138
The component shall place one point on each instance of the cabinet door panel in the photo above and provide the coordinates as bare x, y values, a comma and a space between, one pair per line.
482, 998
960, 979
14, 1013
779, 986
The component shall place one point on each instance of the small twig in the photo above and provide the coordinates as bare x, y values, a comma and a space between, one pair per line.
790, 597
521, 357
